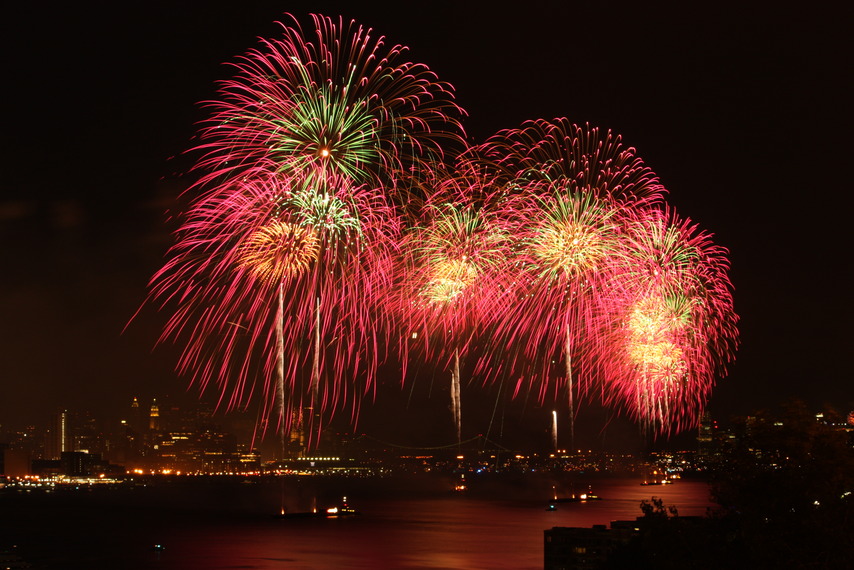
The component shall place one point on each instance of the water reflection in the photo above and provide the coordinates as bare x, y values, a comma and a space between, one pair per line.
404, 524
446, 531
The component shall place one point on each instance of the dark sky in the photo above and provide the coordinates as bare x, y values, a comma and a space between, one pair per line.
743, 111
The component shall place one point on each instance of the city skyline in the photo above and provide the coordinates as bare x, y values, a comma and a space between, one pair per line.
169, 440
722, 127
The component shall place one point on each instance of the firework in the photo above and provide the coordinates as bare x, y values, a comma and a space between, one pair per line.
584, 257
448, 276
564, 241
672, 321
546, 248
278, 268
340, 102
272, 282
574, 158
280, 251
576, 181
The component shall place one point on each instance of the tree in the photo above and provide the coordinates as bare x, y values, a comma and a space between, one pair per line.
787, 482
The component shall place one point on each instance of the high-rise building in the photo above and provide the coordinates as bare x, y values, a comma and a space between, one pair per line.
59, 438
87, 433
154, 417
135, 419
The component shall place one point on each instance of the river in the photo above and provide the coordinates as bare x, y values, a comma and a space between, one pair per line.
402, 524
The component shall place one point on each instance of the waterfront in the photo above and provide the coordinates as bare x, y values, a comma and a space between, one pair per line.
405, 523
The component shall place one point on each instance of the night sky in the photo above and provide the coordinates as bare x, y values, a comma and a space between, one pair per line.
742, 111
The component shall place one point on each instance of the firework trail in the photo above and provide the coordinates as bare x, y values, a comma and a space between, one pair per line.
673, 327
562, 267
573, 158
547, 247
575, 183
280, 262
340, 102
263, 265
447, 279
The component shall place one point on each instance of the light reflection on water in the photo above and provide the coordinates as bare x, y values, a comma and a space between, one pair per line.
449, 531
227, 526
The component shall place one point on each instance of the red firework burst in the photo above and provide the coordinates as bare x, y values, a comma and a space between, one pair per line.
546, 249
274, 283
672, 323
340, 101
575, 183
448, 281
576, 159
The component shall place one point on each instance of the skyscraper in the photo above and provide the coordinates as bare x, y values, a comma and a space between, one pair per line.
154, 417
59, 440
135, 420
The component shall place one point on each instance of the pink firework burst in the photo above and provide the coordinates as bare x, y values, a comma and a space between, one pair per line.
283, 259
575, 185
448, 276
562, 267
340, 101
672, 323
573, 158
273, 283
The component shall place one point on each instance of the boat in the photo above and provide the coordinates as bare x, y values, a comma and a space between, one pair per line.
656, 478
331, 513
339, 511
461, 484
579, 498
